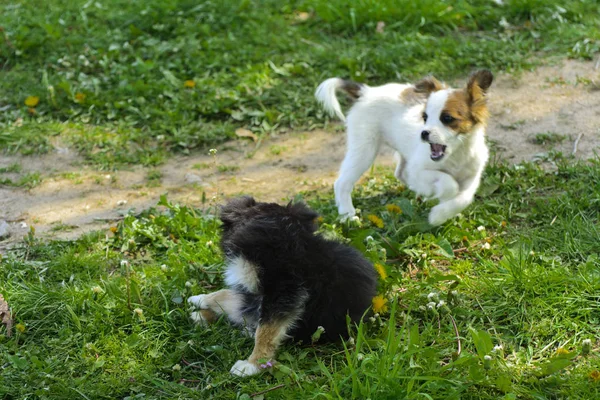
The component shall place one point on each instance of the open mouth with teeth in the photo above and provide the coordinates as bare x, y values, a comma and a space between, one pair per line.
437, 151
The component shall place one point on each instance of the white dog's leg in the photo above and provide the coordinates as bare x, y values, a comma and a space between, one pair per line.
400, 163
448, 208
434, 185
359, 157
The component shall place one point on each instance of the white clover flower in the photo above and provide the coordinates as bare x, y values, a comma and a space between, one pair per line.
355, 219
320, 329
532, 253
481, 228
190, 342
431, 305
369, 238
176, 367
124, 263
487, 357
431, 295
486, 246
423, 255
209, 243
351, 341
97, 289
497, 348
188, 284
212, 152
372, 319
360, 356
376, 315
441, 304
139, 312
164, 268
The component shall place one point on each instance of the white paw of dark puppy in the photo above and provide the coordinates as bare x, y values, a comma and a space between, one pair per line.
198, 301
244, 368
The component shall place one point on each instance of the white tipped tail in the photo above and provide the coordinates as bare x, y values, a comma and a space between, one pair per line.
325, 94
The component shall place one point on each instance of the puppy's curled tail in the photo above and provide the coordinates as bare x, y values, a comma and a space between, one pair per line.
325, 94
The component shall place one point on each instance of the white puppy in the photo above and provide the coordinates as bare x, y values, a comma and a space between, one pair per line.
438, 133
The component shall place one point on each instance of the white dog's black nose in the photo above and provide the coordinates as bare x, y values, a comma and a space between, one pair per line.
425, 136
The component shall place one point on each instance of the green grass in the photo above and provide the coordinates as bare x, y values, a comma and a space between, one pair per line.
131, 82
519, 270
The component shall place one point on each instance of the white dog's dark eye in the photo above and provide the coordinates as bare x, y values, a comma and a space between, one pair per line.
424, 117
447, 119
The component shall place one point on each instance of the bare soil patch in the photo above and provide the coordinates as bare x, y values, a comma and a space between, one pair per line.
533, 114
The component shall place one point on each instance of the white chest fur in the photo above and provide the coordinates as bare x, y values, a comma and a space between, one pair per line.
240, 271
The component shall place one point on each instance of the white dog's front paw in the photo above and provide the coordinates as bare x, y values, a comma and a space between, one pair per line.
244, 368
346, 212
198, 301
439, 214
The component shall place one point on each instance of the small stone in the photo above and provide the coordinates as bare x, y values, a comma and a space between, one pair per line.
4, 229
192, 178
121, 202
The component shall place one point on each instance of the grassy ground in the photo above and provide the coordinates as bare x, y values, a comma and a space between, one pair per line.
495, 304
130, 82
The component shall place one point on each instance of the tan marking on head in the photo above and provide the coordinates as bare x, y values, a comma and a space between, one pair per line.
468, 106
267, 339
420, 91
457, 106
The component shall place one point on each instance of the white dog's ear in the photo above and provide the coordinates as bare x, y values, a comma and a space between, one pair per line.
479, 83
428, 85
421, 90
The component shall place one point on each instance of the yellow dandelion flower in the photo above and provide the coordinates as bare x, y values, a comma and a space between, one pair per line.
381, 271
503, 223
20, 327
79, 97
32, 101
562, 351
378, 222
595, 376
113, 229
380, 304
393, 208
190, 84
319, 219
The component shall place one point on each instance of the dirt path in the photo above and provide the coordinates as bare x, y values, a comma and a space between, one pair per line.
531, 114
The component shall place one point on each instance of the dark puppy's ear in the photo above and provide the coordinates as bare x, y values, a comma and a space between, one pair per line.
428, 85
303, 213
234, 209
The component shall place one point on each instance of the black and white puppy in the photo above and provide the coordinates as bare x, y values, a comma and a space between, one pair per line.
284, 280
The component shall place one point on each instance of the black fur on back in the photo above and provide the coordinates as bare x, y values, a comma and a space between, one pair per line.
301, 275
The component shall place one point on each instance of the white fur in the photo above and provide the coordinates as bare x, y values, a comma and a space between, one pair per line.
379, 115
240, 271
224, 301
244, 368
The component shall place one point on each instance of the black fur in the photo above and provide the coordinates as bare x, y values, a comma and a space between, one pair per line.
301, 275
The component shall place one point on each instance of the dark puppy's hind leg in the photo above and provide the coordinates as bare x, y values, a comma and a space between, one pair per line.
277, 317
